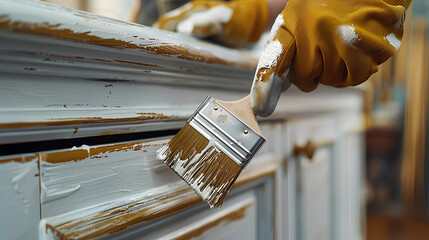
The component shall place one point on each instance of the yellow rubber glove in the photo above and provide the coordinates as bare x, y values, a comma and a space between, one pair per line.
334, 42
236, 22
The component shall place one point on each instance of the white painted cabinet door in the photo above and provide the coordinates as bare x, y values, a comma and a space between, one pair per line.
314, 195
308, 179
324, 192
348, 178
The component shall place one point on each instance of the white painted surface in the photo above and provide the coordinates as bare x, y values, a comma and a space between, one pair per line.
19, 199
324, 195
315, 196
102, 178
243, 228
313, 176
119, 86
258, 213
105, 28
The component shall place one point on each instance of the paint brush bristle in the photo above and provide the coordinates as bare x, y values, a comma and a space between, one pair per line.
212, 149
196, 159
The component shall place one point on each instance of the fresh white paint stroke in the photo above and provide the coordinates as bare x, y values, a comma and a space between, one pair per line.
101, 178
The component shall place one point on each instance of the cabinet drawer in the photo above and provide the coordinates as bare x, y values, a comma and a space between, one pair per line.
19, 197
237, 219
95, 191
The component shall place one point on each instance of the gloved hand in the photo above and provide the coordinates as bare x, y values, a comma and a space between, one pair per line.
334, 42
236, 22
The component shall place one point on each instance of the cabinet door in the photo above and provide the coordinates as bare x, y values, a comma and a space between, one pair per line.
348, 168
308, 178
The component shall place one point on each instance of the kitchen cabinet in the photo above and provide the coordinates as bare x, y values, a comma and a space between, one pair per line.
326, 178
86, 101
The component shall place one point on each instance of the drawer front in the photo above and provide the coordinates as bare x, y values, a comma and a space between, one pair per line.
85, 176
238, 219
19, 197
106, 190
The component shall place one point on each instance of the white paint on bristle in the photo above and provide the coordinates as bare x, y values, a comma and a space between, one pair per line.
348, 34
182, 171
393, 40
213, 16
161, 154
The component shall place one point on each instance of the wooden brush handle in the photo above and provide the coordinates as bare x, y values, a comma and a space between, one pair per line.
242, 110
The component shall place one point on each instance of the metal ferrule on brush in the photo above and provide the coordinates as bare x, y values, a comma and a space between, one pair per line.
230, 134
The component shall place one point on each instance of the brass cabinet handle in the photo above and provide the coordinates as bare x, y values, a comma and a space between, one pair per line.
308, 149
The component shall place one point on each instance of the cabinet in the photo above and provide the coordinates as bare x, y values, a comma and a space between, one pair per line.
86, 101
324, 188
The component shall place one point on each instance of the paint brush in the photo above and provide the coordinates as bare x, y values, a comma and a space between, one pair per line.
213, 147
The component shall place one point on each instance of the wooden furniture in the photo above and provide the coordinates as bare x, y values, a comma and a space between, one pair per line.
86, 101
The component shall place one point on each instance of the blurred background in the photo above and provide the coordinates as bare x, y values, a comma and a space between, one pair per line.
396, 112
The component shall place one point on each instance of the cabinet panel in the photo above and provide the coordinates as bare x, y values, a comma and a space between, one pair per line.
237, 219
349, 214
307, 180
179, 214
85, 176
314, 195
19, 197
348, 179
323, 182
